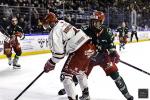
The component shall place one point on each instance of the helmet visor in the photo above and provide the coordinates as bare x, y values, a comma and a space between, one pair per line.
97, 23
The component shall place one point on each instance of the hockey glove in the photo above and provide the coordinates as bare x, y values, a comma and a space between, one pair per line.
50, 65
114, 57
18, 34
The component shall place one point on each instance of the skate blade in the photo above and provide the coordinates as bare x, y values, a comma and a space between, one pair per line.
15, 67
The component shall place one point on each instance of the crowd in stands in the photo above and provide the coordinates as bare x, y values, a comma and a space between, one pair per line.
30, 12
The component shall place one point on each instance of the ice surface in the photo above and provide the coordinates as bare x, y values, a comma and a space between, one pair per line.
101, 87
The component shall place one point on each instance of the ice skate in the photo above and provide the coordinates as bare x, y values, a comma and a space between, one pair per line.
119, 48
85, 95
62, 92
15, 63
128, 96
73, 99
123, 47
131, 98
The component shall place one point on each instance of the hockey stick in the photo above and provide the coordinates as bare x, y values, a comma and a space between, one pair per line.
6, 38
29, 85
135, 67
6, 35
4, 31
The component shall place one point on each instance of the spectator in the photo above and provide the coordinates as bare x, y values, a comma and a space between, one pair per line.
112, 8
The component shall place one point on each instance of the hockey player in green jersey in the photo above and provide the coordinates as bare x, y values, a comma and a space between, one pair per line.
123, 35
106, 56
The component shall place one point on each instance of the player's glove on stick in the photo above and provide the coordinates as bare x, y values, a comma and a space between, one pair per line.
50, 65
19, 34
114, 57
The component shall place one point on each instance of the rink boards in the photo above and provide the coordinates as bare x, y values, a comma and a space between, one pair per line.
142, 35
32, 44
38, 44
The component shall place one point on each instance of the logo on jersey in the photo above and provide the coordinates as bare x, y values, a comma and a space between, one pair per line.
89, 53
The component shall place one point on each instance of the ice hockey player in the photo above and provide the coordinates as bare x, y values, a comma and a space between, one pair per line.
65, 39
14, 31
106, 56
123, 35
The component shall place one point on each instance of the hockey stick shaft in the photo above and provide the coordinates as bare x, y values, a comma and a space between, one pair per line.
5, 34
29, 85
135, 67
4, 31
6, 38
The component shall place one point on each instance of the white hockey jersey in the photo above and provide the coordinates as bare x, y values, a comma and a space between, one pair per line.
65, 39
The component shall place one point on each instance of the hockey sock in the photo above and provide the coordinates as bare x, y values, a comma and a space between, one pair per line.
9, 61
120, 84
69, 88
121, 46
15, 62
16, 57
82, 80
62, 91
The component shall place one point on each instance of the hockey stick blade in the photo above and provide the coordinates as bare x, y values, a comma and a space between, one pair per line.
134, 67
29, 85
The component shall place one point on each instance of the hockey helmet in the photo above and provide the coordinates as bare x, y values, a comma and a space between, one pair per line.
49, 20
97, 19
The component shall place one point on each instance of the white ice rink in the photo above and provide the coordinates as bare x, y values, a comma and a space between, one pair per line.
101, 87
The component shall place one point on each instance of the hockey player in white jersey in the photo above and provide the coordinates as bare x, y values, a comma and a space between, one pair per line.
65, 39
